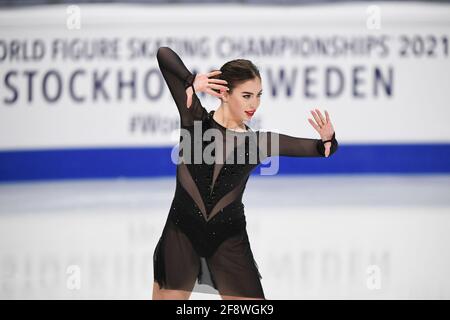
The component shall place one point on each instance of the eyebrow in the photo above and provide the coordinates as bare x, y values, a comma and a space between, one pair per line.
250, 92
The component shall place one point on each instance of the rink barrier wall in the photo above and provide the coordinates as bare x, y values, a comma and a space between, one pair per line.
156, 162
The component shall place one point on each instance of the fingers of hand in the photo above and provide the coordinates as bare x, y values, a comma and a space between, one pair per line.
316, 117
322, 119
327, 115
314, 124
213, 73
217, 86
218, 81
212, 92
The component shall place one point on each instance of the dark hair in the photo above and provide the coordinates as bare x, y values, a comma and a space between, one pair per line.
236, 72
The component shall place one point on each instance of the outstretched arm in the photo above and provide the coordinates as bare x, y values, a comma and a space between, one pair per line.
273, 144
180, 82
278, 144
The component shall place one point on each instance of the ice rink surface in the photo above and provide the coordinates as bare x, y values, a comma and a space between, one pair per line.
313, 237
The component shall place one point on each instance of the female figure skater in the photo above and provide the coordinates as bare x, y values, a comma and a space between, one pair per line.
204, 238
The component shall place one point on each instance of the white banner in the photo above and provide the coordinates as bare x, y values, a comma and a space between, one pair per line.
87, 75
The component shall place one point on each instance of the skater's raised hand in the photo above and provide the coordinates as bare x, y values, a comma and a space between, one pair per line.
204, 83
324, 127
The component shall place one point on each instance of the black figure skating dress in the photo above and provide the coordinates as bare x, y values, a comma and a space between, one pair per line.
204, 238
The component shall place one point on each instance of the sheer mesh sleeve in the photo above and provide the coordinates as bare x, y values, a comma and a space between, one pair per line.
293, 146
178, 79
